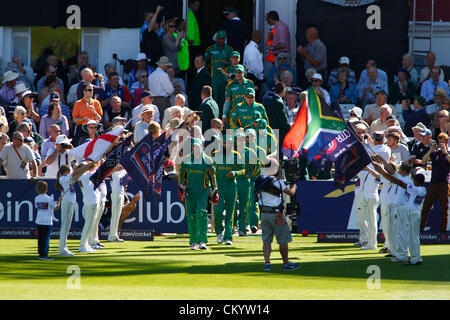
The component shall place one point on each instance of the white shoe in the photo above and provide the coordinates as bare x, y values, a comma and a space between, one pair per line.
220, 238
66, 252
203, 246
96, 246
426, 229
86, 250
367, 248
194, 246
228, 243
395, 259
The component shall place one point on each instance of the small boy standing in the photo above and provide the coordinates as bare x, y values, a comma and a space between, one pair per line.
45, 206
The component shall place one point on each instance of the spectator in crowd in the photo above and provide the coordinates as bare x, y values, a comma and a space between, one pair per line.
364, 76
49, 143
20, 114
26, 129
439, 98
314, 54
88, 76
443, 118
61, 72
53, 98
179, 109
421, 148
109, 68
253, 61
183, 54
146, 99
417, 129
7, 92
381, 123
19, 89
276, 111
308, 75
113, 88
432, 84
90, 131
58, 156
193, 37
343, 91
425, 73
114, 109
415, 115
26, 74
202, 78
439, 188
400, 152
50, 84
141, 129
281, 65
403, 88
54, 116
172, 76
85, 109
160, 85
316, 84
209, 109
49, 77
281, 34
147, 17
367, 89
141, 65
139, 86
4, 139
171, 45
343, 63
82, 63
407, 63
27, 101
372, 111
4, 126
151, 43
237, 30
292, 106
16, 156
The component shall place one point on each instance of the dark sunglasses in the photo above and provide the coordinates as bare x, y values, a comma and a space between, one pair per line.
93, 128
442, 116
89, 90
315, 80
22, 140
172, 26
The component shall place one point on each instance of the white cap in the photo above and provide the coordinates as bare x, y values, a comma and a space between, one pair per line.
141, 56
20, 87
62, 139
358, 111
344, 60
317, 76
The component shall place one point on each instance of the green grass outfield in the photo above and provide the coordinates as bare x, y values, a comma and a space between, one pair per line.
167, 269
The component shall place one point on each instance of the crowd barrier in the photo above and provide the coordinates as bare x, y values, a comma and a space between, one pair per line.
323, 208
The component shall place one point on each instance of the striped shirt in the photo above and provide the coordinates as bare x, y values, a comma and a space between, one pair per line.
82, 109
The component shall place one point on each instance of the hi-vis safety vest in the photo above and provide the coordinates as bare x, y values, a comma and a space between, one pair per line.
269, 55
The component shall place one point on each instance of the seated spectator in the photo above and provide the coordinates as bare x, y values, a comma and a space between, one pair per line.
417, 129
292, 105
343, 63
141, 65
20, 114
53, 98
316, 82
49, 143
171, 45
274, 74
400, 152
26, 129
431, 85
139, 86
407, 63
110, 68
142, 127
418, 150
26, 74
4, 127
343, 91
443, 117
177, 108
114, 109
146, 99
439, 98
75, 70
372, 111
415, 115
7, 92
28, 102
54, 116
16, 157
171, 73
50, 84
118, 122
425, 73
113, 88
177, 91
364, 76
91, 77
91, 130
308, 75
33, 145
49, 77
367, 89
403, 88
4, 140
381, 124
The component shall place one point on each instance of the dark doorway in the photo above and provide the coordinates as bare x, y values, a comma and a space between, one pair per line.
210, 17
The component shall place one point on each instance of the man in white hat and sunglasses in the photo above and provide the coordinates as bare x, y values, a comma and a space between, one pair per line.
160, 85
141, 129
316, 83
59, 156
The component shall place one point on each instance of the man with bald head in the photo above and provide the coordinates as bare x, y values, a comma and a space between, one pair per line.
315, 53
49, 143
87, 75
431, 63
17, 157
364, 77
367, 90
380, 124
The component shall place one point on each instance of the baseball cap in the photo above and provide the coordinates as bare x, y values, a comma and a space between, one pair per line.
28, 139
62, 139
235, 54
250, 92
221, 34
344, 60
54, 96
147, 93
317, 76
240, 68
391, 117
381, 91
118, 118
425, 132
405, 71
378, 135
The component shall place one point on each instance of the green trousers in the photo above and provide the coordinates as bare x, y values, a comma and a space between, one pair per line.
218, 86
244, 202
197, 216
227, 202
253, 209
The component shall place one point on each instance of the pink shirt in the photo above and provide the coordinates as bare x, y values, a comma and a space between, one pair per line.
282, 35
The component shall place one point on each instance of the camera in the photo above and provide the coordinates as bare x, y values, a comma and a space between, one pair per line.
114, 56
65, 146
291, 170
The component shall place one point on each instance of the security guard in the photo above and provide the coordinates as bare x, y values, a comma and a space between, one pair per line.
228, 167
197, 181
218, 56
243, 115
235, 93
252, 170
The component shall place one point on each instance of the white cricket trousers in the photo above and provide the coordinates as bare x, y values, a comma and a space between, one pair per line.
67, 211
93, 237
90, 213
409, 234
369, 216
393, 211
362, 224
116, 210
386, 223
